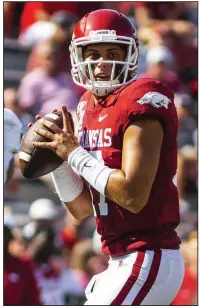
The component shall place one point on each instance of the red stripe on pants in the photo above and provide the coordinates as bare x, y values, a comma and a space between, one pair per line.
131, 280
150, 279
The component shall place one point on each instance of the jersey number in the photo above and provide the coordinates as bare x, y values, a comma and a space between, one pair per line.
103, 206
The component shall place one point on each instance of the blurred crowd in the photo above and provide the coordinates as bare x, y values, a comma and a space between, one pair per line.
49, 257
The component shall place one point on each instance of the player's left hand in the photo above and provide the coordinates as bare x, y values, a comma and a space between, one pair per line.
62, 141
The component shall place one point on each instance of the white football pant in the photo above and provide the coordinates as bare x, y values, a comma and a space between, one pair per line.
140, 278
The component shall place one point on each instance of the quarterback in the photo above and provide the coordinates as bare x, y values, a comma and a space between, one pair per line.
122, 166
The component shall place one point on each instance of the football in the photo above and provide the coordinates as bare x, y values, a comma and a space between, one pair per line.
35, 162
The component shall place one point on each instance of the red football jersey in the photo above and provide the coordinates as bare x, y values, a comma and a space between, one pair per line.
101, 131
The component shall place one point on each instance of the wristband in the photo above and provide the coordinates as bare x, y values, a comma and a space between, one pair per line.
67, 182
93, 171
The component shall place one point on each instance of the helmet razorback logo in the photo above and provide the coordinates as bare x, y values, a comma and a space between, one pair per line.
156, 99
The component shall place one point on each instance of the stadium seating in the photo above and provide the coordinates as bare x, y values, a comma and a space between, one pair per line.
15, 59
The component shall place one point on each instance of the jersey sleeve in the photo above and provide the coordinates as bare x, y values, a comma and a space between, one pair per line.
150, 99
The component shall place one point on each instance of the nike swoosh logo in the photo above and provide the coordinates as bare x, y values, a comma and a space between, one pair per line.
101, 118
87, 166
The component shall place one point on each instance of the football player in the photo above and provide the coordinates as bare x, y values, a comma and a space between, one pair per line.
123, 165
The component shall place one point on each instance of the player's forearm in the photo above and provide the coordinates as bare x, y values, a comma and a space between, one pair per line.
115, 184
73, 191
126, 193
81, 207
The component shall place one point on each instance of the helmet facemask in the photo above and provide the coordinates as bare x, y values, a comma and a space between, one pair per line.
82, 72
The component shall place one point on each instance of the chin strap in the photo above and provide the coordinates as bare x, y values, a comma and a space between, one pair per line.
103, 88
